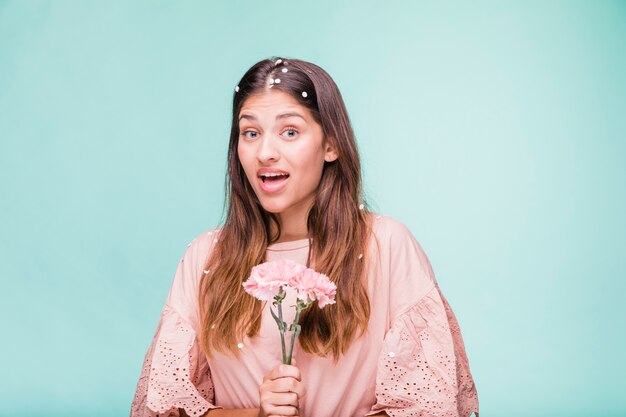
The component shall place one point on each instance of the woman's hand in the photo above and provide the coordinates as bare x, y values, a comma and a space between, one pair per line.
281, 392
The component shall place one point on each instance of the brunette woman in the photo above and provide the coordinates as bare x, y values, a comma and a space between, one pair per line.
389, 346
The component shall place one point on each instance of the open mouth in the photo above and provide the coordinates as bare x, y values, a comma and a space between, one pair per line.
273, 182
273, 178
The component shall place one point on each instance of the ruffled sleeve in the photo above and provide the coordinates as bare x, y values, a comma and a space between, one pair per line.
422, 367
175, 373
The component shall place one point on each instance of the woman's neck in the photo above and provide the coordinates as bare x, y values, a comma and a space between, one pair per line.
293, 226
288, 234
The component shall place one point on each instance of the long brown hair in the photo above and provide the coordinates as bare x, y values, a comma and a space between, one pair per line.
338, 227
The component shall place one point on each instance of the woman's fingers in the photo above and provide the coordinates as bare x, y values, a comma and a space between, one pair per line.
282, 398
285, 404
281, 391
283, 371
286, 384
283, 411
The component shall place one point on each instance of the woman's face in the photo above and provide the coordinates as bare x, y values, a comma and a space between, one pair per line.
282, 151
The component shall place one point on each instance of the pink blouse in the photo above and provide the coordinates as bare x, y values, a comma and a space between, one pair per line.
410, 362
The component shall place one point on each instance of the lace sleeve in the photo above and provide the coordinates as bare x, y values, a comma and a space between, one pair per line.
175, 373
423, 369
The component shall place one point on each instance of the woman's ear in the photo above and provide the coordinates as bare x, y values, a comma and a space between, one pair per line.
330, 152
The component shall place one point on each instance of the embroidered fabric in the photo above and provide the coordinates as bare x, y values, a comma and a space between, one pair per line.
423, 369
175, 373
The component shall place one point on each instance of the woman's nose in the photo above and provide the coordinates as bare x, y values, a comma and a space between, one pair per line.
267, 150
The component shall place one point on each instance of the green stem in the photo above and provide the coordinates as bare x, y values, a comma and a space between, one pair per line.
282, 329
295, 331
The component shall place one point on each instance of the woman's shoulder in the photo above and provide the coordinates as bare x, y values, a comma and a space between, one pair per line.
194, 258
394, 236
201, 246
389, 229
202, 243
184, 289
401, 258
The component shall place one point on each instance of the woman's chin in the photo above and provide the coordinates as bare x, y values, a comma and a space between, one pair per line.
272, 208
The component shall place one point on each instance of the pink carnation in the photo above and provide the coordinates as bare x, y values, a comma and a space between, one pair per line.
266, 279
315, 286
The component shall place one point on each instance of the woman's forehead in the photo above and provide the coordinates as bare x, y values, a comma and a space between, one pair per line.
272, 103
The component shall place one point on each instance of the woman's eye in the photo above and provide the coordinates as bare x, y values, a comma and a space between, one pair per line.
290, 133
250, 134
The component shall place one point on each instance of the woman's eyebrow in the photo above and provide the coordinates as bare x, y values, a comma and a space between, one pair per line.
280, 116
286, 115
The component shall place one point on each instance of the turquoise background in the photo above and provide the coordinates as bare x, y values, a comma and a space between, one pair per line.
495, 131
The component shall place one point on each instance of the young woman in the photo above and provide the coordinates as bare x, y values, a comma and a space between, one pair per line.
389, 346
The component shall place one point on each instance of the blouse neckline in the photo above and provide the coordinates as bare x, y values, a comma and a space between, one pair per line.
290, 245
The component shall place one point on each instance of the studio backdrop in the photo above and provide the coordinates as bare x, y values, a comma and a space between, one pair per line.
494, 130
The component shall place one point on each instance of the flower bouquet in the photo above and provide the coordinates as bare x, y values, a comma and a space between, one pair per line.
272, 280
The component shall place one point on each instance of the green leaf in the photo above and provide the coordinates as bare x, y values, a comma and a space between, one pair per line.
281, 324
